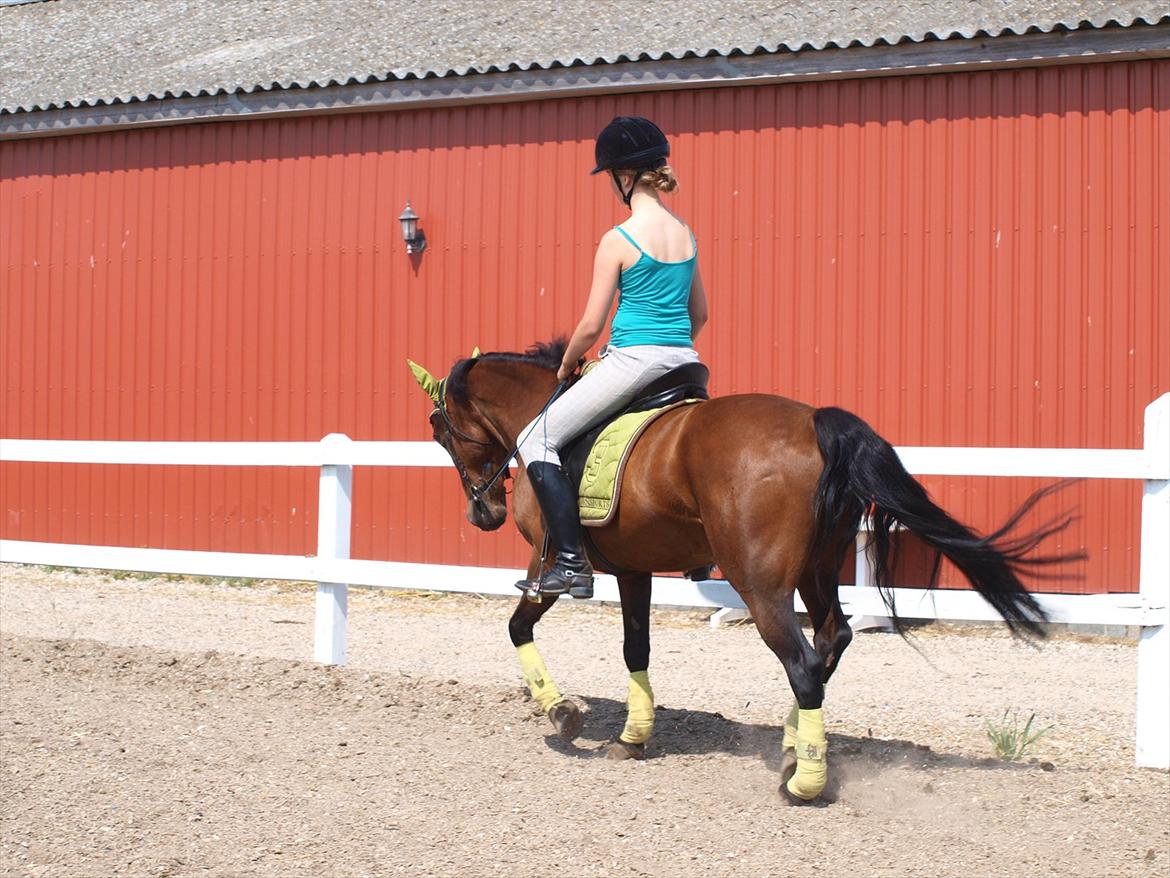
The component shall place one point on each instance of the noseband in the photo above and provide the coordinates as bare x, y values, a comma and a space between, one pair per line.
477, 491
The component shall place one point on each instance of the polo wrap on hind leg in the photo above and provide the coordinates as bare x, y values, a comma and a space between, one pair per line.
790, 726
540, 684
639, 710
811, 756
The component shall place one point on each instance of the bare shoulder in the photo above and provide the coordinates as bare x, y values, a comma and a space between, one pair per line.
615, 249
612, 238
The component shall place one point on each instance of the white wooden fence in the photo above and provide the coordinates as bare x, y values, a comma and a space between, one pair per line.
333, 569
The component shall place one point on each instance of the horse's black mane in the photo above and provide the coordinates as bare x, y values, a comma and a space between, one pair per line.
546, 355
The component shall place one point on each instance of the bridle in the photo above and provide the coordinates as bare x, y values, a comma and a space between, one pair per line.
441, 405
478, 492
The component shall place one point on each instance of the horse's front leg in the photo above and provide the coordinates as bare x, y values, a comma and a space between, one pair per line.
634, 589
564, 714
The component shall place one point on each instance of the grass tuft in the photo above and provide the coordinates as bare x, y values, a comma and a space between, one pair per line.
1011, 741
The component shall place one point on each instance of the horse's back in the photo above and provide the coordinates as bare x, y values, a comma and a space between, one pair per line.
752, 438
747, 422
748, 460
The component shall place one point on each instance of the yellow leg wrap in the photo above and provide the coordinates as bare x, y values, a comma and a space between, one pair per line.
639, 710
540, 684
790, 728
811, 756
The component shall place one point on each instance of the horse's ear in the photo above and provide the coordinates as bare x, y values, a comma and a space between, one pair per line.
475, 352
428, 382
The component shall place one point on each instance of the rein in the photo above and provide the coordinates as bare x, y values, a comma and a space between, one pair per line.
478, 491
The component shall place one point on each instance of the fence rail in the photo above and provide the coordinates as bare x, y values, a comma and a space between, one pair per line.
334, 570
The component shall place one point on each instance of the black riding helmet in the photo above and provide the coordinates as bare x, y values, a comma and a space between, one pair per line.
630, 143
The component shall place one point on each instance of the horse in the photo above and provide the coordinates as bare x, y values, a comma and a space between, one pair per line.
771, 490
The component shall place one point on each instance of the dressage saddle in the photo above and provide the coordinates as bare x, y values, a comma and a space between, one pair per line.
684, 382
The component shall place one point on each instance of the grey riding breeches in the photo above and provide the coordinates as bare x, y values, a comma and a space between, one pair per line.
606, 388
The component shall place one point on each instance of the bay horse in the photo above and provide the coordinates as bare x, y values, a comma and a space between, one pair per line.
771, 490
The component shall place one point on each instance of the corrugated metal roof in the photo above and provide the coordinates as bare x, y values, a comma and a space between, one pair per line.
82, 53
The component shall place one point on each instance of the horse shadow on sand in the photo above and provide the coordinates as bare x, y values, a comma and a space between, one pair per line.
679, 732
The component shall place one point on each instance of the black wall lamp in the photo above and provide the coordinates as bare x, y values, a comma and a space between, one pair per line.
416, 241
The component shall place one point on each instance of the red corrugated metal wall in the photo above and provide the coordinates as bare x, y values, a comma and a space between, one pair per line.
967, 259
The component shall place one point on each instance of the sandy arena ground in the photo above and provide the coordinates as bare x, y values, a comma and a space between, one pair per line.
156, 728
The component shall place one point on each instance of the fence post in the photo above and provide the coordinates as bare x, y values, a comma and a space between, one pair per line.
863, 579
1153, 684
333, 525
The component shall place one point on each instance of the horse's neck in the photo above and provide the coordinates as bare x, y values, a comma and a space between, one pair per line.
511, 401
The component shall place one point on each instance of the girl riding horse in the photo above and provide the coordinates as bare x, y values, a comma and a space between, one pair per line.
771, 490
652, 258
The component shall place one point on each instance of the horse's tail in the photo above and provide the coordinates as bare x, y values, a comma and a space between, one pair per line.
862, 472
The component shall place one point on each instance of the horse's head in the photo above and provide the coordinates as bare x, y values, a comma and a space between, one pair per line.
475, 449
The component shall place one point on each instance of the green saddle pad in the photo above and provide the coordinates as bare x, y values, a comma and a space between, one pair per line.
601, 478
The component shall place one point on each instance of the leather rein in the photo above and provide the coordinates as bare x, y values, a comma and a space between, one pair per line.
479, 491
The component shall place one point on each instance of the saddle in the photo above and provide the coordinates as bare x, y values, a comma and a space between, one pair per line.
687, 382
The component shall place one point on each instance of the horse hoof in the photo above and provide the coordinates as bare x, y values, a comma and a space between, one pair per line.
621, 750
567, 719
787, 769
796, 800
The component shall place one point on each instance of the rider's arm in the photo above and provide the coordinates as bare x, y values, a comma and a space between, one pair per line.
697, 306
607, 268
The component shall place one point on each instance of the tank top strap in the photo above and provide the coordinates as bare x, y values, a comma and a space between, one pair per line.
626, 235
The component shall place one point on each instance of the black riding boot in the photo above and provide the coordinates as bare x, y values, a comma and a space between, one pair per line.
571, 571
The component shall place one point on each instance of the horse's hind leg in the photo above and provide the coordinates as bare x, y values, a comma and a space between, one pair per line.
778, 624
564, 714
635, 594
831, 636
831, 632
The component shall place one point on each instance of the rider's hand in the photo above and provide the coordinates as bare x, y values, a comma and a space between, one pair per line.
565, 371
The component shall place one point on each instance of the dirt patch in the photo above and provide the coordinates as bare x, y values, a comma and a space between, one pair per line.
157, 728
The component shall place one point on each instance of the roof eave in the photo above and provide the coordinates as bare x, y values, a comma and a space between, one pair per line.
950, 55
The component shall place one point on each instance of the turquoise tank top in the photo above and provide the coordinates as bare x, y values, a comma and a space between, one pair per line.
653, 302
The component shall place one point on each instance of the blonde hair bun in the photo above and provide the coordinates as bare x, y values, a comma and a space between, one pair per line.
662, 179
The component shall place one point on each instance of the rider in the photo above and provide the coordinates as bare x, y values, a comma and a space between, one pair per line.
652, 258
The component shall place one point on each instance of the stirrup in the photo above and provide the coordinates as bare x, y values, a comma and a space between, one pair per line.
531, 589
